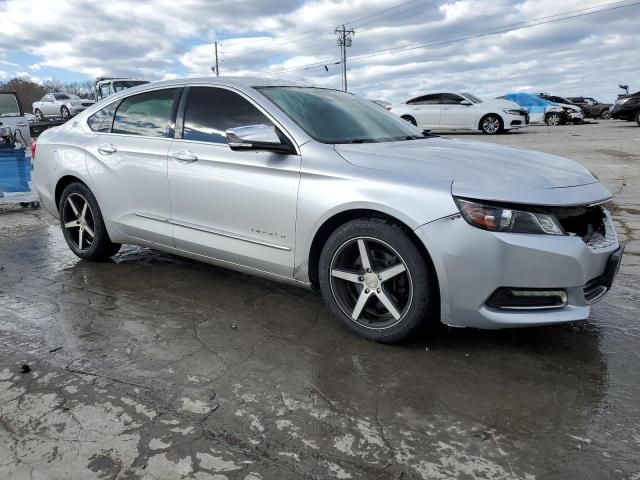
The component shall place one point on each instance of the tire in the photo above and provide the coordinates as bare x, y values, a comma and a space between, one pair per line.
64, 112
491, 124
359, 296
38, 114
605, 114
638, 117
553, 119
80, 216
410, 119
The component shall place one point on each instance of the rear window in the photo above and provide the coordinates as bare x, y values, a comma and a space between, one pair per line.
102, 120
145, 114
9, 105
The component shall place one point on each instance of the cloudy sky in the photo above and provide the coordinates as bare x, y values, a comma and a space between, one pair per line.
419, 45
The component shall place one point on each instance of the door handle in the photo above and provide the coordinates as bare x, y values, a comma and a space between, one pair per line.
107, 149
184, 156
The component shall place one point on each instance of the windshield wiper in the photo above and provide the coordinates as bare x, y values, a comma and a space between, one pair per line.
361, 140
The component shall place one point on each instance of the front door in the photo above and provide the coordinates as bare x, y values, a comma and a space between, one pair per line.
238, 207
129, 164
454, 115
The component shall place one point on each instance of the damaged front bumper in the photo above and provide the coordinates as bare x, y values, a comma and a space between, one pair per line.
473, 265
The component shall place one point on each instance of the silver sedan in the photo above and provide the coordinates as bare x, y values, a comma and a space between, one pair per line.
321, 188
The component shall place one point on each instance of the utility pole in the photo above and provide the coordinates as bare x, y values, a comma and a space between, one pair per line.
217, 70
345, 39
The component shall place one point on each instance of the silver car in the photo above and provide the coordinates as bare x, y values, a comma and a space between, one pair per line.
59, 104
321, 188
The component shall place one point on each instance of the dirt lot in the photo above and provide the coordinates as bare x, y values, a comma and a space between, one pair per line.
159, 368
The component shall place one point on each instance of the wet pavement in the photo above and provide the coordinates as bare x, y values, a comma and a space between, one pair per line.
156, 367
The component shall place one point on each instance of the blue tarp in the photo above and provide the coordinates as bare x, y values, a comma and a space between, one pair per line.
15, 170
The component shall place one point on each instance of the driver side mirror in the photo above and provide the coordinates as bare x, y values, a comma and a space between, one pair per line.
466, 103
257, 137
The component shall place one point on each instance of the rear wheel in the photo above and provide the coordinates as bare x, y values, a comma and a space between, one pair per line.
605, 114
38, 114
553, 119
83, 226
410, 119
491, 124
375, 280
64, 112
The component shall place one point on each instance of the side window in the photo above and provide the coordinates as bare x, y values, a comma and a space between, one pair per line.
450, 99
102, 120
211, 111
425, 100
524, 100
47, 98
105, 91
145, 114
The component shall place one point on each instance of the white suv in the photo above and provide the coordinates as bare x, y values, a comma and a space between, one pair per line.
462, 111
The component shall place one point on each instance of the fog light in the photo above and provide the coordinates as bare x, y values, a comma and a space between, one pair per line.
527, 299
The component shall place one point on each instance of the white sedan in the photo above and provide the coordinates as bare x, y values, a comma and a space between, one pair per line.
462, 111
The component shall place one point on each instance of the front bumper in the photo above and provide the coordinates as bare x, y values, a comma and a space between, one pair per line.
515, 121
471, 264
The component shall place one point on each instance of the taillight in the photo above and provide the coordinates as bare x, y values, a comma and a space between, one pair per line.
388, 109
33, 149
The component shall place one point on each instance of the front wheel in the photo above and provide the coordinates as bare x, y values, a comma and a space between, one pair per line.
39, 116
83, 226
605, 114
491, 124
553, 119
638, 117
375, 280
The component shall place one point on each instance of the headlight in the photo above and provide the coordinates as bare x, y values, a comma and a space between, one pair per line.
497, 218
513, 112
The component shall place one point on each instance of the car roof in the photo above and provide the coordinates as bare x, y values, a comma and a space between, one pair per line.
229, 81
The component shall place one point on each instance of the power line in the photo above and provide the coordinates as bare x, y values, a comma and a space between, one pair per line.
548, 19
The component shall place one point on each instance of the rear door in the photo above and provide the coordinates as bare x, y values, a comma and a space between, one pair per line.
127, 160
426, 110
454, 115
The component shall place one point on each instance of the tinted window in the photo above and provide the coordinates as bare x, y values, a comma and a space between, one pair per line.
102, 120
450, 99
211, 111
145, 114
425, 100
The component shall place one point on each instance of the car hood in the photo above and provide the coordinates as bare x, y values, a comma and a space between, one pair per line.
479, 169
499, 102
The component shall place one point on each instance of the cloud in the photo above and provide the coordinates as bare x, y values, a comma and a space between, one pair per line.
159, 39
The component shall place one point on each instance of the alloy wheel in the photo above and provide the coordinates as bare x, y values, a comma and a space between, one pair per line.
490, 125
371, 283
553, 120
64, 112
79, 221
605, 115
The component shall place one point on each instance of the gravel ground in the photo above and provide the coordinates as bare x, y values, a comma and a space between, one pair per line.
155, 367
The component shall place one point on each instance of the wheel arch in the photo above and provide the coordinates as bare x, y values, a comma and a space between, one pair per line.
63, 183
338, 219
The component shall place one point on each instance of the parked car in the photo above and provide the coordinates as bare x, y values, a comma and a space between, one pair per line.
592, 107
461, 111
106, 86
318, 187
59, 104
541, 111
627, 107
572, 113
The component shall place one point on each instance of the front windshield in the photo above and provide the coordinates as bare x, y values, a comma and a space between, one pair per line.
332, 116
473, 98
123, 85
